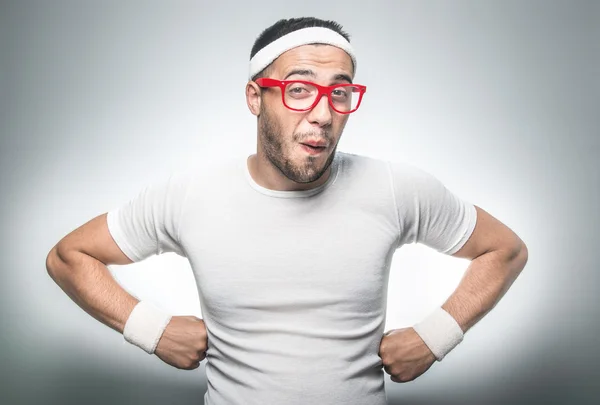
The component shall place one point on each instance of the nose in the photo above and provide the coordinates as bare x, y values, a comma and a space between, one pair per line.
321, 114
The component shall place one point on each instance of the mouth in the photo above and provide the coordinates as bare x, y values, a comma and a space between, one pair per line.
312, 149
315, 143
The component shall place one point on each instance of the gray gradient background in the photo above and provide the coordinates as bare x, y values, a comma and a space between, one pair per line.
498, 99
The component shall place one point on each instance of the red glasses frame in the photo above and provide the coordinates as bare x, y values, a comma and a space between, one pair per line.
322, 90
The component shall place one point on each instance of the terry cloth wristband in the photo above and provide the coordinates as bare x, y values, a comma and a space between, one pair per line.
440, 332
304, 36
145, 326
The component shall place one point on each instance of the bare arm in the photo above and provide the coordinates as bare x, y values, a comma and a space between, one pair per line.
497, 257
77, 263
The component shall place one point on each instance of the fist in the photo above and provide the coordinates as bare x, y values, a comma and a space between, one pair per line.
183, 343
404, 355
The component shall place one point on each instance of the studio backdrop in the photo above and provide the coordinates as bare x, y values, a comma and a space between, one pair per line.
499, 100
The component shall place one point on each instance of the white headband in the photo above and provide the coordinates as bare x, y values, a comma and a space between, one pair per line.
304, 36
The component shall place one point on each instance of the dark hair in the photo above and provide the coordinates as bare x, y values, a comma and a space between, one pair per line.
285, 26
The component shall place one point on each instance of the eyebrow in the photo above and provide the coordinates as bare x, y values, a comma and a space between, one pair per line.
308, 72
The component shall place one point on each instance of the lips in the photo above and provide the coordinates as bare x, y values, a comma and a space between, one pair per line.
312, 150
315, 144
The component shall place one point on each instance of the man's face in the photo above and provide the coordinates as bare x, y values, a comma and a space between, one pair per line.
281, 131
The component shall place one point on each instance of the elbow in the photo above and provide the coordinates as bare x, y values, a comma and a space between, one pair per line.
520, 255
524, 254
516, 253
55, 261
52, 260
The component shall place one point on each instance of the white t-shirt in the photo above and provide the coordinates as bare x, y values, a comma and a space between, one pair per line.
293, 284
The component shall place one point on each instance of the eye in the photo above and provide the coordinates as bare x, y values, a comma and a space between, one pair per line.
339, 92
297, 89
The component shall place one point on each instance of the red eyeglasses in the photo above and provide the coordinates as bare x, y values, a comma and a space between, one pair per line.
300, 95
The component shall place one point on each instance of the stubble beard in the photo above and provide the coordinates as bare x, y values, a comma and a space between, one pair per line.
272, 145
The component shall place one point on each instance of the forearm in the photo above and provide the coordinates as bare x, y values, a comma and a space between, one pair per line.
486, 280
89, 283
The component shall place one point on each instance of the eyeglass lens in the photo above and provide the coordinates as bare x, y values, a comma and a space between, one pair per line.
301, 96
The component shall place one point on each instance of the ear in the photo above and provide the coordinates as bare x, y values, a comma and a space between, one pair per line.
253, 92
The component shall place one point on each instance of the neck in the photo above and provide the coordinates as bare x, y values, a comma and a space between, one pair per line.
267, 175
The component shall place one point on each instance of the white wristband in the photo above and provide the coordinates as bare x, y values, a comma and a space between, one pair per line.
145, 326
440, 332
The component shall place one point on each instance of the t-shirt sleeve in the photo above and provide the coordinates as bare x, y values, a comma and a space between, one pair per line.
428, 212
148, 224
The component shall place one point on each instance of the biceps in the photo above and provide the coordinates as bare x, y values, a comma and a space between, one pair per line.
489, 234
94, 239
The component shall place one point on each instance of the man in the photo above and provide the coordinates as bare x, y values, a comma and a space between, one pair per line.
291, 247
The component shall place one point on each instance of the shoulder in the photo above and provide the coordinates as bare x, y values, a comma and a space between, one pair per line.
361, 164
408, 175
400, 169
